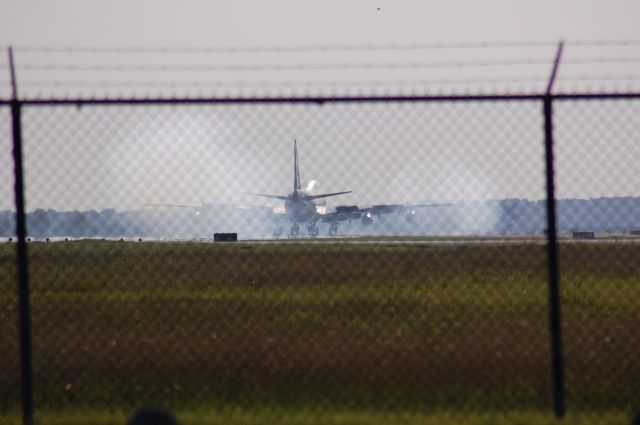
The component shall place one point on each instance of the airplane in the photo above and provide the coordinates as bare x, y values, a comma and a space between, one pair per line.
300, 207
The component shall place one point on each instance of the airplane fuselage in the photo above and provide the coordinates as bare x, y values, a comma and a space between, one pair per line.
299, 205
299, 208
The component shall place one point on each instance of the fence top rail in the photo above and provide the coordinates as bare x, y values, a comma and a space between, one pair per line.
80, 101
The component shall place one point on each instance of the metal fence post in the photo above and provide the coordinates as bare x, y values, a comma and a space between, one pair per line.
557, 367
24, 311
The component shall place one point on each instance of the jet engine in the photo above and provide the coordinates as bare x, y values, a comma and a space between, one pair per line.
410, 217
367, 219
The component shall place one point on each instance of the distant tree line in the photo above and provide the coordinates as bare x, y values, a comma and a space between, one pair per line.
601, 215
45, 223
507, 216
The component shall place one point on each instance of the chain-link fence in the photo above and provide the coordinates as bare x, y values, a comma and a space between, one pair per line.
597, 176
422, 295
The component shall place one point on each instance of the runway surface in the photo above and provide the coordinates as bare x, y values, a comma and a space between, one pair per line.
447, 241
362, 240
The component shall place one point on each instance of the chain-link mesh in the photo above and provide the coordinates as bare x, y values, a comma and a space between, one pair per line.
599, 210
430, 301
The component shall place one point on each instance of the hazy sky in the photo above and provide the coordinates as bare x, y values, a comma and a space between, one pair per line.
191, 24
237, 22
102, 157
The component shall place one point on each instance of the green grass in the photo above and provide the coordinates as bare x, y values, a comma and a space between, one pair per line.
323, 333
312, 416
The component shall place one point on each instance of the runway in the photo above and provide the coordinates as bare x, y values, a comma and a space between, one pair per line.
356, 240
458, 240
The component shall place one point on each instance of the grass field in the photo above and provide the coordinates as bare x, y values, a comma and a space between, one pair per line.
322, 334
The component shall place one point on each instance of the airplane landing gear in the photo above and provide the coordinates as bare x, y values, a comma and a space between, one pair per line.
295, 230
313, 230
333, 228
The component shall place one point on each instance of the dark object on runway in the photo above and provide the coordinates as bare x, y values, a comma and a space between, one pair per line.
225, 237
584, 235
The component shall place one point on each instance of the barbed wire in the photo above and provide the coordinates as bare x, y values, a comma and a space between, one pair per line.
274, 67
595, 43
302, 66
316, 83
311, 66
287, 83
570, 78
279, 49
309, 97
315, 48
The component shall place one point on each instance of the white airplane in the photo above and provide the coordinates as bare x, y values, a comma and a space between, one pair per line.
300, 207
303, 207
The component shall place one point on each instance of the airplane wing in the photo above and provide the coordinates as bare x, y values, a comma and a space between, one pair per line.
204, 207
201, 207
342, 213
171, 205
354, 212
280, 197
399, 208
326, 195
284, 198
432, 205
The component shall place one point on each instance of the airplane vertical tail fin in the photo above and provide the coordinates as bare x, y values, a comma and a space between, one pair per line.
296, 171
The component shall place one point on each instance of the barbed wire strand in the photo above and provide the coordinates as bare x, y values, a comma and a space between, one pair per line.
315, 48
595, 43
311, 66
272, 67
317, 83
160, 84
278, 49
